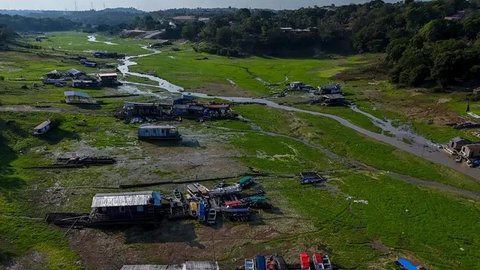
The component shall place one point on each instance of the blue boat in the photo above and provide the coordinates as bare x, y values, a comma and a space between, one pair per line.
260, 263
406, 264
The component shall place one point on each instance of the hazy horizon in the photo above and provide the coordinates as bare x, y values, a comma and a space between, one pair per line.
147, 5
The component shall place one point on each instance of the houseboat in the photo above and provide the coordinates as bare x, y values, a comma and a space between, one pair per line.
74, 97
455, 145
127, 206
164, 133
42, 128
470, 151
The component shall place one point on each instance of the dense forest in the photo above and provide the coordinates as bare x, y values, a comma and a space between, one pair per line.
433, 42
109, 16
28, 24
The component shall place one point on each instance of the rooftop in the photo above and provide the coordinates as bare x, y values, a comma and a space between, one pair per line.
76, 94
43, 125
157, 126
126, 199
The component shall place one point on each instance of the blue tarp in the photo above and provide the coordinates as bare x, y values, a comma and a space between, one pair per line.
406, 264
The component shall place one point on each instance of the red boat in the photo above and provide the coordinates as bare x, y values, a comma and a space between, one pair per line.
304, 261
232, 204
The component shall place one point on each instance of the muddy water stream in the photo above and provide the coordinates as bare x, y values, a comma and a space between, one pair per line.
400, 137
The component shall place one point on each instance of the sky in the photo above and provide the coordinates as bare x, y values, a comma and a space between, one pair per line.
149, 5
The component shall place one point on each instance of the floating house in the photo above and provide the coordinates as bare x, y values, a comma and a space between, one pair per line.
126, 206
154, 132
108, 55
330, 89
184, 99
152, 110
73, 97
75, 73
42, 128
300, 86
87, 63
90, 83
456, 144
108, 79
470, 151
56, 82
54, 74
332, 100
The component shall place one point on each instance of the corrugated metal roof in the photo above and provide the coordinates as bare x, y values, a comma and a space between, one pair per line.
77, 94
157, 127
152, 267
42, 125
74, 71
126, 199
108, 75
334, 96
194, 265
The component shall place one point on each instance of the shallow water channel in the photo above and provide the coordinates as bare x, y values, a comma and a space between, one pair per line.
400, 137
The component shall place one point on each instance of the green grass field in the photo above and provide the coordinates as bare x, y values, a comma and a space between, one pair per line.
77, 42
259, 76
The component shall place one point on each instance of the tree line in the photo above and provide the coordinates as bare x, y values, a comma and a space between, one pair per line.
28, 24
